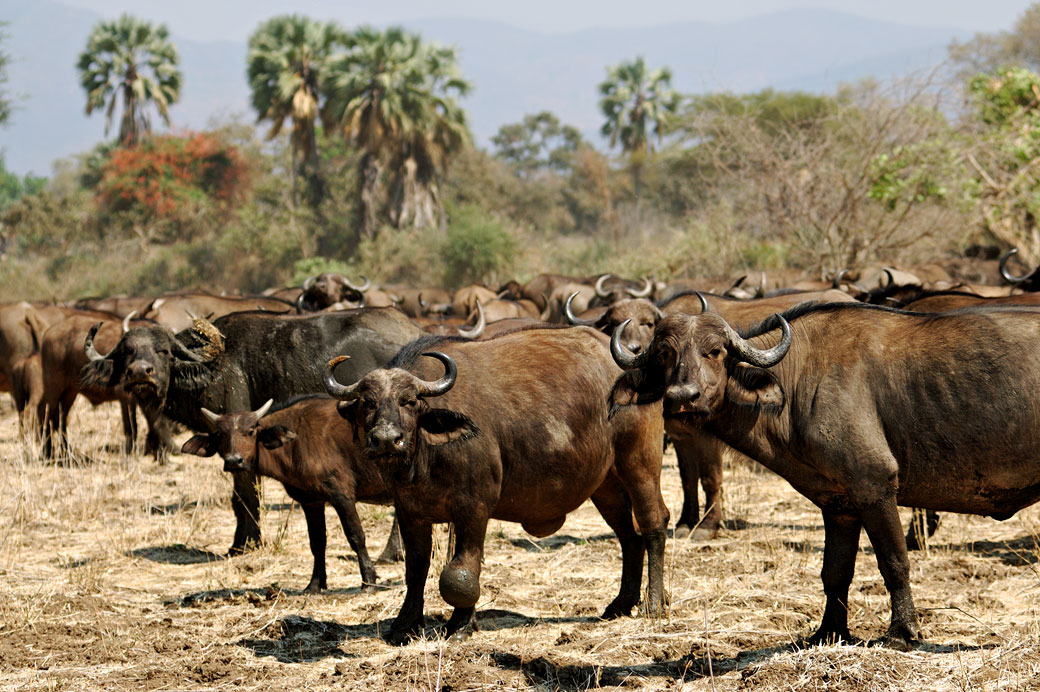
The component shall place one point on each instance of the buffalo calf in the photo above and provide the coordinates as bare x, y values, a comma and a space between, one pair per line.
302, 445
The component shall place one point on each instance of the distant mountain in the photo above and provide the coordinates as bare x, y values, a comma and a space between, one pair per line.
515, 71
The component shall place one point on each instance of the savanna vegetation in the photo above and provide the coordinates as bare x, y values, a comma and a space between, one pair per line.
360, 159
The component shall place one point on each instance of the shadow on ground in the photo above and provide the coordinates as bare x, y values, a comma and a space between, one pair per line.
177, 554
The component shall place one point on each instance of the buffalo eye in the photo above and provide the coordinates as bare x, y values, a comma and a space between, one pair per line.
715, 353
410, 403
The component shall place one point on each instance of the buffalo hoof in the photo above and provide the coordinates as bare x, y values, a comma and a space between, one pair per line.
898, 638
399, 635
314, 587
249, 547
619, 608
700, 532
824, 637
461, 625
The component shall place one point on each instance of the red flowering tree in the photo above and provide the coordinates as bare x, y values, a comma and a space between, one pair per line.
173, 181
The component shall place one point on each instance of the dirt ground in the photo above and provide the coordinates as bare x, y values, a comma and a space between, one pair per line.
113, 576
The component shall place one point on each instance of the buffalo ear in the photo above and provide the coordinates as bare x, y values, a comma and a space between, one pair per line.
348, 411
98, 373
275, 436
751, 386
633, 388
201, 445
440, 426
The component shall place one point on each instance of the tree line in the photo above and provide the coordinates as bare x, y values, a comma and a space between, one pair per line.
365, 163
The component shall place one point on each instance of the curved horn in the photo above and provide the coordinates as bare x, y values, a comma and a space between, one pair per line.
367, 284
334, 387
1008, 276
126, 320
762, 358
308, 282
300, 309
624, 359
600, 291
571, 317
478, 328
642, 293
836, 281
211, 418
262, 411
890, 279
704, 302
88, 344
445, 383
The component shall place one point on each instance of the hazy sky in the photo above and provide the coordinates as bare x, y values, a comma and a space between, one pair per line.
210, 20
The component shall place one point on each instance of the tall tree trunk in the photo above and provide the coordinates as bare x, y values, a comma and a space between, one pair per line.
369, 173
416, 200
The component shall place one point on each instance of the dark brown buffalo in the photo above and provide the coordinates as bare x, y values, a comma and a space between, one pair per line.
327, 289
521, 434
21, 327
303, 445
862, 409
62, 358
240, 361
699, 457
925, 523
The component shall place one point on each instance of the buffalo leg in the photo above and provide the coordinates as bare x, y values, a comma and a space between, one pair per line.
699, 459
245, 502
128, 409
394, 549
923, 525
886, 535
348, 516
841, 542
639, 471
314, 512
613, 504
418, 543
460, 578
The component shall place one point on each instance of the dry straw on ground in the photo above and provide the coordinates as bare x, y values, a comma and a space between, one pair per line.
112, 576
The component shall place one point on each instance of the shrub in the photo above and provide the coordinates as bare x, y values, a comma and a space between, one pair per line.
477, 248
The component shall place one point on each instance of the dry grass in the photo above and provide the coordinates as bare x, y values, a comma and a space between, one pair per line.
112, 577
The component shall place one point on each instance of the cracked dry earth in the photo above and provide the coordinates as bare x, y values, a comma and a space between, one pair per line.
112, 576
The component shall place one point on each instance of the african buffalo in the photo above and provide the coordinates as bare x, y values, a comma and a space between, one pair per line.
698, 456
303, 445
514, 429
240, 361
861, 408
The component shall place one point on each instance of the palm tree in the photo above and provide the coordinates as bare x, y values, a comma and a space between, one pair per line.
287, 58
135, 59
636, 101
393, 96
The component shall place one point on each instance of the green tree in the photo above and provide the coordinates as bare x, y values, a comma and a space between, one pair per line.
287, 60
393, 96
134, 59
1004, 156
539, 142
638, 103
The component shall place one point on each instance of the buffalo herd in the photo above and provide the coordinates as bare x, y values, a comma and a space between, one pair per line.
876, 389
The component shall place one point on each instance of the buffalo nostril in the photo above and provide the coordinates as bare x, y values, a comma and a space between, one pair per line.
635, 347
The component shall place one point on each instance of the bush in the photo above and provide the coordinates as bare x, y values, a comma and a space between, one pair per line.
477, 248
